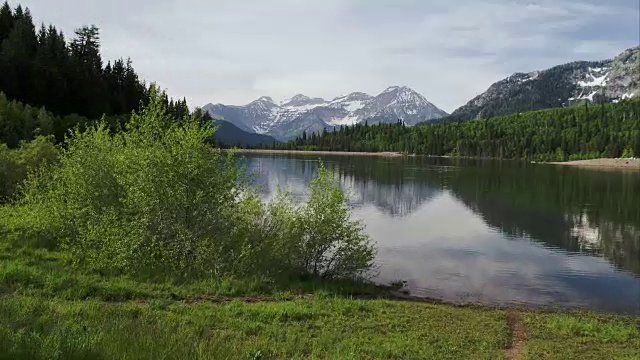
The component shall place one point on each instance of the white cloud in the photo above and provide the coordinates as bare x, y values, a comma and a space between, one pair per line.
233, 52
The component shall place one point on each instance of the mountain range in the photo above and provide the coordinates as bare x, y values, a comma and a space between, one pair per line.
559, 86
291, 117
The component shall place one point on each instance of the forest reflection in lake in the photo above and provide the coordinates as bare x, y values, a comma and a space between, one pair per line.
498, 232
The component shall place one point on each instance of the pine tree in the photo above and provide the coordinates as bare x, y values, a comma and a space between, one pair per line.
85, 47
16, 57
88, 86
6, 21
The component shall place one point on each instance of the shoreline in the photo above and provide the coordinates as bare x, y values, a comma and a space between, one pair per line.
603, 163
311, 152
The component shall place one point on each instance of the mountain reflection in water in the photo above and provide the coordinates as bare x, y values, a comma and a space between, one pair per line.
491, 231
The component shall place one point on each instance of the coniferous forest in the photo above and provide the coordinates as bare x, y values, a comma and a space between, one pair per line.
581, 132
52, 83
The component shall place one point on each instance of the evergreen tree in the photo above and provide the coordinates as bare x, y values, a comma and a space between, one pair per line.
88, 88
16, 57
6, 21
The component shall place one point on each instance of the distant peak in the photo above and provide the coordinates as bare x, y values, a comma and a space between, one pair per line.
354, 96
300, 100
400, 91
265, 99
300, 97
358, 95
398, 88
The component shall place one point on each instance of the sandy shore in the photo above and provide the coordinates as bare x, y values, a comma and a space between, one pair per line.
633, 164
300, 152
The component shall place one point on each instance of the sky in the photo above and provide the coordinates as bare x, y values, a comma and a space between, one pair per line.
232, 52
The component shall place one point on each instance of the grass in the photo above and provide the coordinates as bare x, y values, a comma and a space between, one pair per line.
49, 310
319, 328
582, 336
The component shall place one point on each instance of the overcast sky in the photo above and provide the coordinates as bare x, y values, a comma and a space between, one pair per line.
234, 51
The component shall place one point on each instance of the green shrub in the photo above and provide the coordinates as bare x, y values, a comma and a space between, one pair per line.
319, 238
627, 152
155, 199
158, 201
15, 164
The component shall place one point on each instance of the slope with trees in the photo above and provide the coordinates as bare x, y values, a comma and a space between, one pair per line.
582, 132
68, 77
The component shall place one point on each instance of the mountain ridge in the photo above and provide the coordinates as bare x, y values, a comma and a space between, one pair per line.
559, 86
291, 117
227, 134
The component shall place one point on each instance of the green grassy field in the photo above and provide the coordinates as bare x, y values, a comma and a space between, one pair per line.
49, 310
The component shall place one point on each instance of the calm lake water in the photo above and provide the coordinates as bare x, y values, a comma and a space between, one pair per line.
497, 232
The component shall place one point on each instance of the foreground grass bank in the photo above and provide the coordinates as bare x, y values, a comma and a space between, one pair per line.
51, 310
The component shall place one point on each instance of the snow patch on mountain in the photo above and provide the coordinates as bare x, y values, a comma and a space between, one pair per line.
299, 113
354, 105
598, 81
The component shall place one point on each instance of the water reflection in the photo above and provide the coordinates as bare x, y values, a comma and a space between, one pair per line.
499, 232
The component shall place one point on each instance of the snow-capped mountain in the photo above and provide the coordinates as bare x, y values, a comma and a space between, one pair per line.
563, 85
301, 113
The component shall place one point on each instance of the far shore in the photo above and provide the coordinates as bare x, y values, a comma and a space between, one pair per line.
303, 152
604, 163
632, 164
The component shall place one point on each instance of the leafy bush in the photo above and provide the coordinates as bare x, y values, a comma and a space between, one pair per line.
158, 201
15, 164
319, 238
154, 199
627, 152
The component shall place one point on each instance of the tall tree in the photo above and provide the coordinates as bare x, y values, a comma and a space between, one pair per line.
88, 87
16, 57
6, 21
85, 47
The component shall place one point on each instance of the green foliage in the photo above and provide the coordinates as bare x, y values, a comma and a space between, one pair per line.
319, 238
157, 200
555, 134
15, 164
332, 244
627, 152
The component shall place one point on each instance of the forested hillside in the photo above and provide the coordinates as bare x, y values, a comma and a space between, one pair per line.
568, 84
67, 77
229, 135
606, 130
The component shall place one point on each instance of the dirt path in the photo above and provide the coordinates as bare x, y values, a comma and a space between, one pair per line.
517, 335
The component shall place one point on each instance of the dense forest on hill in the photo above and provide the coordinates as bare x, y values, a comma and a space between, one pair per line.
588, 131
68, 78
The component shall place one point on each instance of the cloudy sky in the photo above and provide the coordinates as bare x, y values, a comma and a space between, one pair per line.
232, 52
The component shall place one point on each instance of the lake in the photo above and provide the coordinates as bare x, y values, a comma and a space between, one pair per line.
488, 231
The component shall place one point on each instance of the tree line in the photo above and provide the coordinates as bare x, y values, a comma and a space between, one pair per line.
41, 70
580, 132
